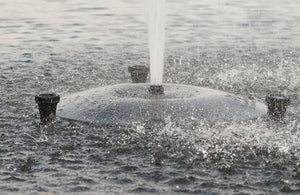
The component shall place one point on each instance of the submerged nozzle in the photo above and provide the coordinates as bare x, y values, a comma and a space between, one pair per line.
47, 106
277, 105
156, 90
138, 73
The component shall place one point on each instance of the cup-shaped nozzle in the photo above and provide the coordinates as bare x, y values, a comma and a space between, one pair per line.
277, 105
138, 73
47, 106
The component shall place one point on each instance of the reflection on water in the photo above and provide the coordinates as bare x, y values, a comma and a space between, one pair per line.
249, 48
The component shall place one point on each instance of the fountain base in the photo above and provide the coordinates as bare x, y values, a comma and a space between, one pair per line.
127, 104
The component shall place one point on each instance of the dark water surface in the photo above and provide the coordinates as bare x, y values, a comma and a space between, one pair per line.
249, 48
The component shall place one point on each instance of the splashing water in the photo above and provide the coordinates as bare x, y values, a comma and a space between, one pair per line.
241, 47
156, 39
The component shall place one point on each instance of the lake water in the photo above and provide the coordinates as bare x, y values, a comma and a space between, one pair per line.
250, 48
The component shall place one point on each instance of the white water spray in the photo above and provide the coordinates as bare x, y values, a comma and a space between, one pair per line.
156, 40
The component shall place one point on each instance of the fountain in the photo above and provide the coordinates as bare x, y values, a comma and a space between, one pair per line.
156, 40
127, 104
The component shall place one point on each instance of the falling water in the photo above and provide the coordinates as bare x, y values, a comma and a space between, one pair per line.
156, 39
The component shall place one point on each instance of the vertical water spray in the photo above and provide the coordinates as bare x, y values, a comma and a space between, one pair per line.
156, 40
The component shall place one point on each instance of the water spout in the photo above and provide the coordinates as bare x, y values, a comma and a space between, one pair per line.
156, 40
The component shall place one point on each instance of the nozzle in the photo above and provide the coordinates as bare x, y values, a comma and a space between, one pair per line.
277, 105
47, 106
138, 73
156, 90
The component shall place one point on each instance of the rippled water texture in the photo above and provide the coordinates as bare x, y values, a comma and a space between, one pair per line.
249, 48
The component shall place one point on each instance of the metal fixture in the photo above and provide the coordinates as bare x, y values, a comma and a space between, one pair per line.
138, 73
156, 90
47, 106
277, 105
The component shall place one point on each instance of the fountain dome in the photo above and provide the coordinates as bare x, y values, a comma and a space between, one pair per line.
127, 104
